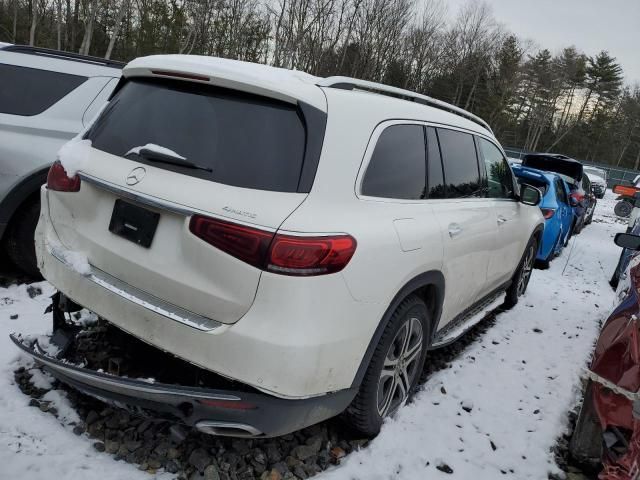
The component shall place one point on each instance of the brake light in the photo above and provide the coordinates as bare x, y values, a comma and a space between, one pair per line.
577, 196
547, 213
58, 180
276, 252
293, 255
248, 244
185, 76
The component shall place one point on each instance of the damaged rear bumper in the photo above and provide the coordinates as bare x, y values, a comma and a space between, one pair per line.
213, 411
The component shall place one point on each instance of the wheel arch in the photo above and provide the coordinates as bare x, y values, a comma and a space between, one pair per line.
430, 286
24, 190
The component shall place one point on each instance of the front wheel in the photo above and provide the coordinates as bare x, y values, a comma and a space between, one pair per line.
521, 278
394, 369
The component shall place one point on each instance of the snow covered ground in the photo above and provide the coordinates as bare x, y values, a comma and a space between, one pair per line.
497, 410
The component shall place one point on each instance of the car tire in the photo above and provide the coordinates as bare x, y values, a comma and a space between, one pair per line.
585, 445
623, 208
521, 278
19, 239
388, 382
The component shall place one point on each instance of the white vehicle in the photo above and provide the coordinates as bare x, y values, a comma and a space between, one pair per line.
598, 184
46, 98
596, 171
308, 238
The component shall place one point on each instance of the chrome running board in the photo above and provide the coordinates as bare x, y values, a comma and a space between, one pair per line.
458, 327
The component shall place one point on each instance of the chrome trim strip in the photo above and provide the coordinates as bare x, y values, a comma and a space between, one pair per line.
217, 428
137, 197
161, 204
140, 297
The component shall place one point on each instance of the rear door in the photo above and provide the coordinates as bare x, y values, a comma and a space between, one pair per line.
564, 209
501, 190
467, 221
246, 156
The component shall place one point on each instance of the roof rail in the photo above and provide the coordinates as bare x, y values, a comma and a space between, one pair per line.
347, 83
74, 57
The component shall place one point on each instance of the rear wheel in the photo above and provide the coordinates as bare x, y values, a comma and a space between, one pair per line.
395, 367
623, 208
19, 238
586, 442
521, 278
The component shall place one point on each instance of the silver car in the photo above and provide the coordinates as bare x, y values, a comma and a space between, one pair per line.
46, 98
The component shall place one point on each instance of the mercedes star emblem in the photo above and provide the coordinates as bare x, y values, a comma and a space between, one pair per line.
136, 175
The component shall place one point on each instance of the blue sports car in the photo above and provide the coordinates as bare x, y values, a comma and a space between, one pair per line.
556, 208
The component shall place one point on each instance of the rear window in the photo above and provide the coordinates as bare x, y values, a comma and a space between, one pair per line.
542, 186
30, 91
245, 140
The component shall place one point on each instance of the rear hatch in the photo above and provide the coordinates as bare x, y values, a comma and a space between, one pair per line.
550, 163
247, 156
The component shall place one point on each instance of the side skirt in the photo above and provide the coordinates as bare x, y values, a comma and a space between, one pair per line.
468, 319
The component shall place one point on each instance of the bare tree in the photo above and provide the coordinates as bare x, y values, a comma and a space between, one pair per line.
116, 27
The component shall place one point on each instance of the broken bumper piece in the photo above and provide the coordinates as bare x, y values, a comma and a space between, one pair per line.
218, 412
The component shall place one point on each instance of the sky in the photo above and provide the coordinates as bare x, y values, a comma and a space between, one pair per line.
590, 25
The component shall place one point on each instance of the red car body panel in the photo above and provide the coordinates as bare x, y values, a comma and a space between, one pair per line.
616, 374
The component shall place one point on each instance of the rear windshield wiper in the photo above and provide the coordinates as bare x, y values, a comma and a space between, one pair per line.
160, 157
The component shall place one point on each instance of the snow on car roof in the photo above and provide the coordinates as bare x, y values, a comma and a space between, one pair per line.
259, 79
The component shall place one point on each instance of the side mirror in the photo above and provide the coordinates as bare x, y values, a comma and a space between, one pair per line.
573, 201
627, 240
530, 195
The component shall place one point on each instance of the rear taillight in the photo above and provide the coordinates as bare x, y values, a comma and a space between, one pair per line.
245, 243
58, 180
577, 196
547, 213
275, 252
300, 255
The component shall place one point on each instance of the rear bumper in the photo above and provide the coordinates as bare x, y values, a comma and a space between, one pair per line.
219, 412
302, 337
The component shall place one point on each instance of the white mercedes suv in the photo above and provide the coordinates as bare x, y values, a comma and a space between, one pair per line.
308, 238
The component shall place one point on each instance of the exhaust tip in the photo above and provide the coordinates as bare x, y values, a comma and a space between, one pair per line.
228, 429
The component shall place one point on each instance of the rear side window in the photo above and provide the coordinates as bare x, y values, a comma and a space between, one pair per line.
561, 194
245, 140
29, 91
500, 180
397, 168
460, 164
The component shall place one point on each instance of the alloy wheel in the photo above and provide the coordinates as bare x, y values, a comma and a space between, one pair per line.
401, 366
525, 274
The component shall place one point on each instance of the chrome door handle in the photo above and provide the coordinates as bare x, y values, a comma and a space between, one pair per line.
502, 219
454, 230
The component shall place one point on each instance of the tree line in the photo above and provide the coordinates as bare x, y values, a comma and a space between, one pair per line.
570, 101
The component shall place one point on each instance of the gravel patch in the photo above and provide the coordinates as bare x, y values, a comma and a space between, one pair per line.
191, 455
